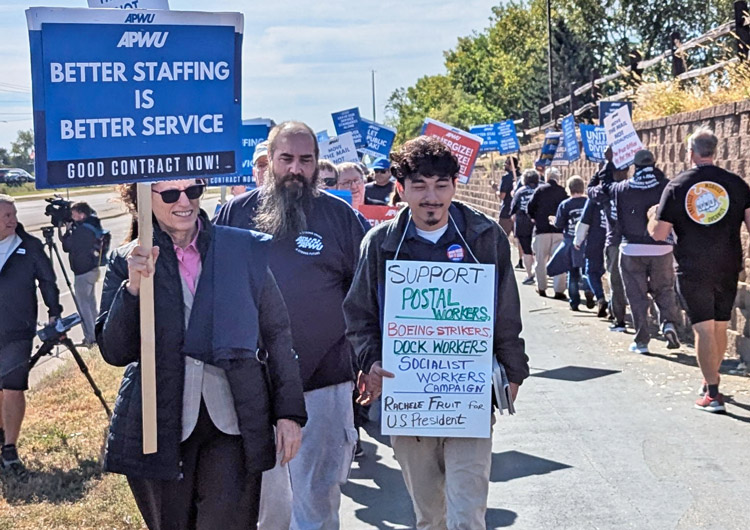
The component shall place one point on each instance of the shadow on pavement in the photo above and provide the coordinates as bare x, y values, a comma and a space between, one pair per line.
385, 504
575, 373
498, 518
743, 406
728, 366
511, 465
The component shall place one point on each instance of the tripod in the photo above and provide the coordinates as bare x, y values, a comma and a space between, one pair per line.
63, 340
49, 241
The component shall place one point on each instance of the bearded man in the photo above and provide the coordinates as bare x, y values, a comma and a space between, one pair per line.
313, 256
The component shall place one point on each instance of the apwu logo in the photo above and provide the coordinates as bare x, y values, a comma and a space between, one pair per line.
140, 18
309, 244
143, 39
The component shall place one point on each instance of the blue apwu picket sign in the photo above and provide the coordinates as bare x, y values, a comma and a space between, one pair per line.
122, 96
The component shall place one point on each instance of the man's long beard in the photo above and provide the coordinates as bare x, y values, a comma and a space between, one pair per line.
282, 208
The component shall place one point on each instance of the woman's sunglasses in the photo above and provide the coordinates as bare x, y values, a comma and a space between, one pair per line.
172, 196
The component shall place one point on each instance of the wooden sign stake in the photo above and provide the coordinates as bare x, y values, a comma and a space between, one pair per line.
148, 340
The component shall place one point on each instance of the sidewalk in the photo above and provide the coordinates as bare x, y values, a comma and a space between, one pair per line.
603, 438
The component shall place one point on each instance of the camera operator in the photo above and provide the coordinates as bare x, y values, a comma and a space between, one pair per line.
23, 264
82, 240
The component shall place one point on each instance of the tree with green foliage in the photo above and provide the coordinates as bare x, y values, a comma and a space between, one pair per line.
21, 149
501, 71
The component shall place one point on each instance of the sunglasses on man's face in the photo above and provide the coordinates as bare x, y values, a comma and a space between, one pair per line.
381, 171
330, 182
172, 196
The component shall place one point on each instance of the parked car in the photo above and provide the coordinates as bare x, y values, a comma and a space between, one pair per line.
14, 176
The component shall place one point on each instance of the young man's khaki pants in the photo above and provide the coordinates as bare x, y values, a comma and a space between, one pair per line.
447, 478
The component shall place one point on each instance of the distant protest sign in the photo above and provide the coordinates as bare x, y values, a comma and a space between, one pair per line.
594, 139
608, 107
252, 132
560, 158
346, 121
377, 214
465, 146
322, 136
570, 139
115, 102
623, 138
506, 131
339, 149
378, 139
552, 140
488, 134
438, 326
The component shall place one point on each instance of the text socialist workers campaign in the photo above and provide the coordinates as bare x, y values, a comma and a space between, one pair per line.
126, 96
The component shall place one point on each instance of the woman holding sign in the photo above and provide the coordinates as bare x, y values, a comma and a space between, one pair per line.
447, 469
215, 299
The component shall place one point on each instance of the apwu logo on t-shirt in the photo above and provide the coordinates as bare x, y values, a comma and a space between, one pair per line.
309, 243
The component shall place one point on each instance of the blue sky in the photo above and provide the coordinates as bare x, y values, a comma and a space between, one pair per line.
302, 59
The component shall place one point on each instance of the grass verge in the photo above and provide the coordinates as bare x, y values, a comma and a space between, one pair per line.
62, 443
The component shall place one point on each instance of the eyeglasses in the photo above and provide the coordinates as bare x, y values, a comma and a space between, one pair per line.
330, 182
349, 184
381, 171
172, 196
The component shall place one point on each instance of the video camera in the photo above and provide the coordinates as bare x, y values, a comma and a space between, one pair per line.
59, 211
55, 332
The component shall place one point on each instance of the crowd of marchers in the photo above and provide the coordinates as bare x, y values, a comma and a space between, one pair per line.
667, 246
268, 316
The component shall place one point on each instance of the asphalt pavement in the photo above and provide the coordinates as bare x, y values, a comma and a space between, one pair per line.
602, 438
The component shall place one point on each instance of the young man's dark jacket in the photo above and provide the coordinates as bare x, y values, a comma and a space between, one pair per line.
27, 265
82, 243
631, 201
363, 306
258, 407
543, 204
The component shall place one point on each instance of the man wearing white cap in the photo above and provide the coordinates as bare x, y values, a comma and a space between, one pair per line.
260, 162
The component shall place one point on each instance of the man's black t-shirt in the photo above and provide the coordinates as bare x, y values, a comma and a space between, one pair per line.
381, 194
506, 186
568, 214
314, 270
706, 206
524, 226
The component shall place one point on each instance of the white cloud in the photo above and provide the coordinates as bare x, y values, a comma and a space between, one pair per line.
301, 59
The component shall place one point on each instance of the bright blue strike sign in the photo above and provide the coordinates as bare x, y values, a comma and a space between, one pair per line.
488, 134
378, 138
124, 96
346, 121
572, 151
508, 137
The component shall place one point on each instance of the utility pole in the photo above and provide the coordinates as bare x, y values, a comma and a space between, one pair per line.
549, 52
374, 117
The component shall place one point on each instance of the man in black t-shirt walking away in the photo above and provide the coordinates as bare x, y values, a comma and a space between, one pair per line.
706, 206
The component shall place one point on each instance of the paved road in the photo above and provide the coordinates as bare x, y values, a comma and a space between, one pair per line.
602, 439
31, 213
